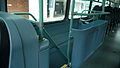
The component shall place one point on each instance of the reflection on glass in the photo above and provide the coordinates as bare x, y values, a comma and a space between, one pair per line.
56, 10
53, 10
80, 5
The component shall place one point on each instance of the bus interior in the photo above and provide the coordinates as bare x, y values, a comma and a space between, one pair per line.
59, 34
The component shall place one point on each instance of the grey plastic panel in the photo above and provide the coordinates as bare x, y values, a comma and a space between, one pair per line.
44, 54
26, 51
30, 42
16, 53
86, 40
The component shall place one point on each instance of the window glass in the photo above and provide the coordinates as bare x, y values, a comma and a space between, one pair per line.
99, 4
100, 0
18, 6
53, 10
95, 0
80, 5
96, 3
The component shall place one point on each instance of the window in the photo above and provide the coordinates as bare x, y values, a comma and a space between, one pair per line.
18, 6
99, 4
56, 10
53, 10
80, 5
96, 3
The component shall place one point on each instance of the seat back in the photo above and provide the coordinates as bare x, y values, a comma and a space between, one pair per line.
25, 47
87, 38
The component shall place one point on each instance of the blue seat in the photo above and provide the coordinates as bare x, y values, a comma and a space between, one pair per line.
87, 38
26, 51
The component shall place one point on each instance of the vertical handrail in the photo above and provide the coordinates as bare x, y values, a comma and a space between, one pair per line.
41, 18
90, 6
103, 5
70, 30
67, 9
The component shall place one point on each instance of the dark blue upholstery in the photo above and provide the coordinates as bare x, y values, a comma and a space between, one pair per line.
26, 51
86, 40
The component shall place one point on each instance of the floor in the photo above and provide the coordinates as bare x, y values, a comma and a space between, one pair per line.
108, 55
